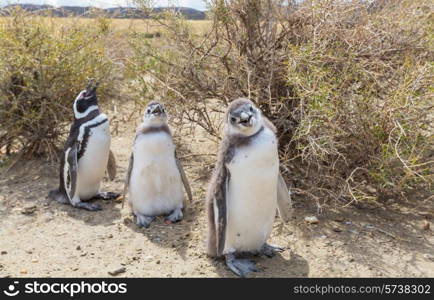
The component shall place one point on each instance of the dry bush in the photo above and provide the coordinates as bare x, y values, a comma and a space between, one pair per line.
44, 63
348, 85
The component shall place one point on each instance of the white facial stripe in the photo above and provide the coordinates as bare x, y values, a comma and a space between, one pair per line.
79, 115
99, 118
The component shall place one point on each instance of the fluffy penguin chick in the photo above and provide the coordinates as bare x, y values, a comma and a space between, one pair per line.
155, 176
246, 188
86, 155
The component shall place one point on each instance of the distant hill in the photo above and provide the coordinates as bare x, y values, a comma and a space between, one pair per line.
89, 12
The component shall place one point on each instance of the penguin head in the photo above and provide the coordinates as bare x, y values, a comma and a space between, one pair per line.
155, 114
86, 100
243, 117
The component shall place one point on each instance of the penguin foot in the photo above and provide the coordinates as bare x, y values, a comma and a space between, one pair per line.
175, 216
144, 221
241, 267
106, 196
88, 206
270, 250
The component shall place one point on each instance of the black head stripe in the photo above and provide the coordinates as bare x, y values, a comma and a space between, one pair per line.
83, 144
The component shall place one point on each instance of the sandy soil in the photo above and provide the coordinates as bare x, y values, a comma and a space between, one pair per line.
42, 238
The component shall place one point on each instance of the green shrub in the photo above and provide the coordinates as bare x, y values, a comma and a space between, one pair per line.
44, 63
348, 84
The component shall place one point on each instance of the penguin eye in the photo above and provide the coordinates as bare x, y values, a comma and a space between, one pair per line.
148, 111
251, 109
233, 119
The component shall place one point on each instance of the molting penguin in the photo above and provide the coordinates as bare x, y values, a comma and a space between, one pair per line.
86, 155
246, 189
155, 176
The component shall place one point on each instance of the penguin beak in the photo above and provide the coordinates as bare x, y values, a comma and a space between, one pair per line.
246, 118
157, 111
91, 88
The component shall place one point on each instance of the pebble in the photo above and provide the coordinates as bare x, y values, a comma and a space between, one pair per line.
425, 225
3, 252
148, 258
311, 220
429, 256
117, 271
28, 210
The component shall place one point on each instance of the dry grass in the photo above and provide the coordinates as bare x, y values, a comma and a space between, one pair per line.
349, 86
43, 65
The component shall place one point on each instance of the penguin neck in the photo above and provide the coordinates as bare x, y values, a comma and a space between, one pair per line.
93, 109
144, 128
91, 114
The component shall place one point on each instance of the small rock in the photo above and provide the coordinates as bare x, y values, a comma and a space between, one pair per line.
158, 262
110, 236
117, 271
78, 248
34, 260
23, 271
4, 252
337, 229
83, 254
429, 256
148, 258
339, 219
311, 220
425, 225
28, 210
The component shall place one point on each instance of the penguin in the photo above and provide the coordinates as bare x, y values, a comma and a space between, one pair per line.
155, 176
246, 189
86, 155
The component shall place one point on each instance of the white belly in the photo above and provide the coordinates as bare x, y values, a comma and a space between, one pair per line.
252, 194
93, 163
155, 182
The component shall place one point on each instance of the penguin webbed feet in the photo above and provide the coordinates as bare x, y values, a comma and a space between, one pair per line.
241, 267
175, 216
270, 250
106, 196
88, 206
144, 221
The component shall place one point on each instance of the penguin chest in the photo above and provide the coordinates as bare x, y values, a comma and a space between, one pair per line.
93, 163
252, 193
155, 183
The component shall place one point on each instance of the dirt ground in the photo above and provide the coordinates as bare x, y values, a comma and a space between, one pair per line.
41, 238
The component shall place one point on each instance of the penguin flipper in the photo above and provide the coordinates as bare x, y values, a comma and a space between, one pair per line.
111, 166
184, 181
221, 205
70, 170
128, 177
284, 203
